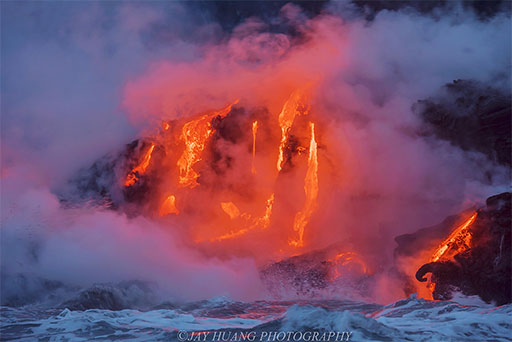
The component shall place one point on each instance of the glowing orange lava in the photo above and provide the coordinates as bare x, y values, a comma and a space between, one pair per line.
459, 240
231, 209
169, 206
254, 130
248, 222
311, 190
195, 134
140, 169
291, 108
264, 221
180, 173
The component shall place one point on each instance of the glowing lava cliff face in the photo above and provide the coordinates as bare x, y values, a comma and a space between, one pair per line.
189, 165
282, 152
467, 253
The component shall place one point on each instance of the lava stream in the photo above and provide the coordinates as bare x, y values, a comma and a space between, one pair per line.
249, 223
133, 176
195, 134
291, 108
311, 190
459, 238
254, 130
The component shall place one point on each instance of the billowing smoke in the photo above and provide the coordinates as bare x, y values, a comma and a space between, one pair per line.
82, 80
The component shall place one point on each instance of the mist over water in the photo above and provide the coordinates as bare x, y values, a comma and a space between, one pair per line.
81, 80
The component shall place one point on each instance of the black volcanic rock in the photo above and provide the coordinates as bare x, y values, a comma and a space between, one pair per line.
124, 295
21, 289
302, 274
472, 116
426, 238
309, 274
96, 298
485, 269
101, 184
93, 183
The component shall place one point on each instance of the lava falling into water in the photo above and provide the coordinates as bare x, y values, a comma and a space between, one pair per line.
254, 130
140, 169
195, 134
311, 190
459, 239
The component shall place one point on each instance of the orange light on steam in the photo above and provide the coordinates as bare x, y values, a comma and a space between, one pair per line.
344, 259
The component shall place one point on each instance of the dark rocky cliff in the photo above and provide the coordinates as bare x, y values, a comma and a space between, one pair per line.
473, 116
485, 268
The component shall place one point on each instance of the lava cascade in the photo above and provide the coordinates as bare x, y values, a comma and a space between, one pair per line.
194, 138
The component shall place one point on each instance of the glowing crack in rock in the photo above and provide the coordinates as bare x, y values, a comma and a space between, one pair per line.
140, 169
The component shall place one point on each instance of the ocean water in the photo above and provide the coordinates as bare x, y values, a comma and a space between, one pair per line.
221, 319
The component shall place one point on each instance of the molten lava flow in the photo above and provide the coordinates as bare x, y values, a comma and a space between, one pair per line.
290, 109
311, 190
231, 209
254, 130
195, 134
459, 240
265, 220
140, 169
250, 223
344, 259
231, 235
169, 206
